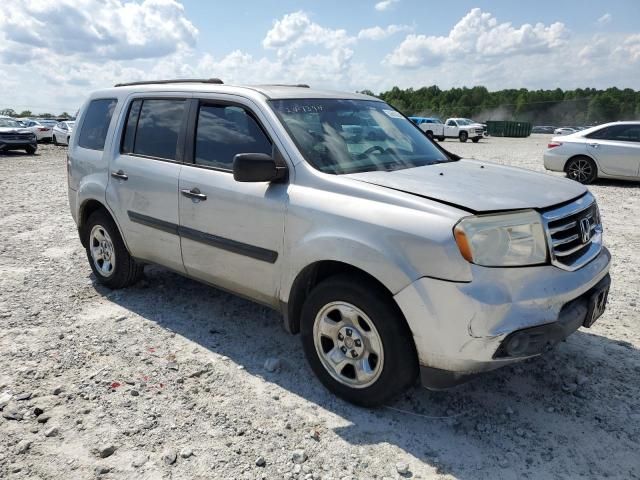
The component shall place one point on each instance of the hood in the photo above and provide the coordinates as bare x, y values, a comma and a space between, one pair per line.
14, 130
478, 186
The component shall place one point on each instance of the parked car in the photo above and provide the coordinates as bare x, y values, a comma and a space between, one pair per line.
564, 131
15, 137
391, 256
47, 122
62, 132
42, 132
611, 150
543, 129
460, 128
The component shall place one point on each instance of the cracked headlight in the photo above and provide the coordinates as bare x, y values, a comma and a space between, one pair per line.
502, 240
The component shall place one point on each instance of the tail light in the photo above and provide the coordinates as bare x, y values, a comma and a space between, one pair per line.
554, 144
43, 129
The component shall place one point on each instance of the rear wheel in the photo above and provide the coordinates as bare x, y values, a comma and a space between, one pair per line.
581, 169
357, 341
30, 150
463, 136
475, 140
430, 135
109, 259
441, 139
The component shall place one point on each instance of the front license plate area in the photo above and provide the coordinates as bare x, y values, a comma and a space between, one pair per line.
597, 303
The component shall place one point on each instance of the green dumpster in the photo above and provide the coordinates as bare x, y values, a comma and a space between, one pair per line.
500, 128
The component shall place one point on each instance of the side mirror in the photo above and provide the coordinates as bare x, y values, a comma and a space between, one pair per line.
257, 167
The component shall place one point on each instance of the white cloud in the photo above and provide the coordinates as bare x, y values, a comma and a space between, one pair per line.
379, 33
94, 29
385, 5
605, 19
296, 30
478, 34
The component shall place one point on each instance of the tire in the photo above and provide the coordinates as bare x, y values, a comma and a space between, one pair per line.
475, 140
463, 136
68, 141
30, 150
430, 135
122, 270
441, 139
581, 169
347, 305
55, 140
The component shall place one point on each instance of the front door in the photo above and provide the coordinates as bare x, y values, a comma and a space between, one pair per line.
232, 233
144, 175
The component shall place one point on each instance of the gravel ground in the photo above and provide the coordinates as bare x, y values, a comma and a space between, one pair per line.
167, 379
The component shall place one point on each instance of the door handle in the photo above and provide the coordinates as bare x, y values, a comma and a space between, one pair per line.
120, 175
594, 145
194, 193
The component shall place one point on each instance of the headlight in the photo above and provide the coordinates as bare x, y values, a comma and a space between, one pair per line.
503, 240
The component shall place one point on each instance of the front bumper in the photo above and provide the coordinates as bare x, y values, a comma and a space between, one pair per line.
17, 144
459, 327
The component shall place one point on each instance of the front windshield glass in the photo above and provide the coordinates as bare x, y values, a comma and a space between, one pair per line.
349, 136
464, 121
8, 123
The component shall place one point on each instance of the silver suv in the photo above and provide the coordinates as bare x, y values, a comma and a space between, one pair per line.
391, 256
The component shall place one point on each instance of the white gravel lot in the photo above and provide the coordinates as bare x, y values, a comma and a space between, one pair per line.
166, 379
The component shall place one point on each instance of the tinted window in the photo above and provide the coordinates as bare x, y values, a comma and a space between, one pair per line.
158, 128
130, 127
225, 131
96, 123
599, 134
624, 133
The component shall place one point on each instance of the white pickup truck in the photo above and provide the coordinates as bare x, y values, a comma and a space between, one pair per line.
460, 128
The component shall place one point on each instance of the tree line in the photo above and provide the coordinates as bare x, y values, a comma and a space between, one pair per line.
582, 106
9, 112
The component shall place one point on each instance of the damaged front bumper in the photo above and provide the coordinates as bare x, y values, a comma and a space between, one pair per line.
461, 329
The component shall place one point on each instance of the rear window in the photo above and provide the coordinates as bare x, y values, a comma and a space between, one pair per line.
96, 123
153, 127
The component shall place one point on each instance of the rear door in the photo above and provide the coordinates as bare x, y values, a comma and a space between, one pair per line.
232, 232
617, 149
144, 173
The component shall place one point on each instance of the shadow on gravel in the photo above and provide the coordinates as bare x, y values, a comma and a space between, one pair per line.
534, 419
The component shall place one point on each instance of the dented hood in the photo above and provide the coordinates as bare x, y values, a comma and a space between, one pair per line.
478, 186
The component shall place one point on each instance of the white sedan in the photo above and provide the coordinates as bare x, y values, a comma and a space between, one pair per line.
564, 131
61, 132
41, 131
611, 150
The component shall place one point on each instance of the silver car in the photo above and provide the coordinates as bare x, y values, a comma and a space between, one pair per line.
393, 258
611, 150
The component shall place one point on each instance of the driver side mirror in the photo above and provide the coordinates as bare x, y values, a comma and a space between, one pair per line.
257, 167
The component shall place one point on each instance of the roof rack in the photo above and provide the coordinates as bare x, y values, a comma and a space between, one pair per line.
299, 85
215, 81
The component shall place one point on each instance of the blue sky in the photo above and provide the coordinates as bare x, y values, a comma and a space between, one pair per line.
62, 49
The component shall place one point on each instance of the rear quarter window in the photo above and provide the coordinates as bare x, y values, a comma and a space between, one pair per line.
96, 123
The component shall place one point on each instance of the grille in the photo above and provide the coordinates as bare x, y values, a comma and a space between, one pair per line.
15, 136
574, 233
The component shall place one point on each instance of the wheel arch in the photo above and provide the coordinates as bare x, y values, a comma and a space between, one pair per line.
89, 206
581, 155
313, 274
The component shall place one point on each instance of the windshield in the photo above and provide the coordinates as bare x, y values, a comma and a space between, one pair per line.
8, 123
465, 121
348, 136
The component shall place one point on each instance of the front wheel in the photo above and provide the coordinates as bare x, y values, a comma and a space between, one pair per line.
31, 150
357, 341
581, 169
464, 136
55, 140
109, 259
475, 140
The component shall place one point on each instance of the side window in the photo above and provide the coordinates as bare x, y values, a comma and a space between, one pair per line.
153, 127
624, 133
451, 123
225, 131
96, 123
599, 134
